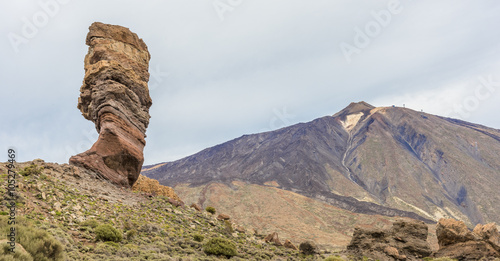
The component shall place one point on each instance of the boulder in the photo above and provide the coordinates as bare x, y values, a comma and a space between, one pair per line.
458, 242
115, 96
450, 231
406, 240
470, 250
489, 233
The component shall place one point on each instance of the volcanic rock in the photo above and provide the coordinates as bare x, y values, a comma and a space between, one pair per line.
488, 232
115, 96
450, 231
273, 239
456, 241
406, 240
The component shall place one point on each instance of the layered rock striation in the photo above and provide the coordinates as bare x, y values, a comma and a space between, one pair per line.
115, 96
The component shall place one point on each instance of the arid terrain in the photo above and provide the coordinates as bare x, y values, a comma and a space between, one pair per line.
386, 162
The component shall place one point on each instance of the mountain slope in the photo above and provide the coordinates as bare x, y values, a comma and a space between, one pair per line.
386, 160
61, 209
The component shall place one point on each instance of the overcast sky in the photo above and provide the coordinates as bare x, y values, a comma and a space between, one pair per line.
224, 68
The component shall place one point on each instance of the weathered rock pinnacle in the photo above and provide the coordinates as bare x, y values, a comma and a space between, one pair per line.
115, 96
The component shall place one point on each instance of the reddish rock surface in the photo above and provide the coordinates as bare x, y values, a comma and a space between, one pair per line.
115, 96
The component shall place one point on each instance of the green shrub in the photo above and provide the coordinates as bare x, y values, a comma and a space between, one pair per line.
32, 169
210, 210
39, 244
6, 255
4, 213
198, 237
220, 246
307, 248
334, 258
107, 232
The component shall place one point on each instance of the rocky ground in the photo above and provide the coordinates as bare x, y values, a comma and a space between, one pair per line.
69, 202
62, 211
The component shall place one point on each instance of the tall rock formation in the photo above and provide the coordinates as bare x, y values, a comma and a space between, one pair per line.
115, 96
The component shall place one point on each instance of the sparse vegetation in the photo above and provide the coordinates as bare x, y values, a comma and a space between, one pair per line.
220, 246
32, 169
198, 238
228, 227
131, 234
153, 229
7, 255
92, 223
210, 210
334, 258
